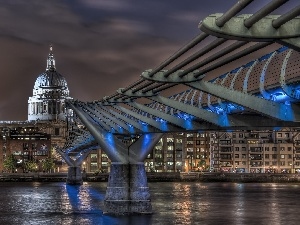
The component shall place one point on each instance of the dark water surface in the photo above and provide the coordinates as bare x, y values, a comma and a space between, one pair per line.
173, 203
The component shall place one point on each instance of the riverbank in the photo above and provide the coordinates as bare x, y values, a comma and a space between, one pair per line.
225, 177
160, 177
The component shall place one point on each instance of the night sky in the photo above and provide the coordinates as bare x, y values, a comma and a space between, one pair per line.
99, 45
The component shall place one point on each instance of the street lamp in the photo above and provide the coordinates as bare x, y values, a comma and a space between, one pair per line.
291, 164
84, 166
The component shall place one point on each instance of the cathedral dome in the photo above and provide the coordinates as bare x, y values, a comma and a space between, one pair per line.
50, 79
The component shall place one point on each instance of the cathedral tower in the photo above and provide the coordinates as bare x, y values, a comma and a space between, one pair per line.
49, 94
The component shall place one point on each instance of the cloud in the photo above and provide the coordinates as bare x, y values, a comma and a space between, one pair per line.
114, 5
96, 58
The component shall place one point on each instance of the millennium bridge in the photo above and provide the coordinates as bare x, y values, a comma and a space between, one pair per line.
241, 72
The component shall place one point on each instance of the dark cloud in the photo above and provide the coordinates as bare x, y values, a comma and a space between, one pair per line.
99, 46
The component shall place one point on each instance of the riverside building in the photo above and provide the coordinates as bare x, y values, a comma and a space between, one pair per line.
237, 151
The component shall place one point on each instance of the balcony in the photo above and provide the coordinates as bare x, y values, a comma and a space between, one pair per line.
94, 159
225, 142
226, 149
255, 157
255, 149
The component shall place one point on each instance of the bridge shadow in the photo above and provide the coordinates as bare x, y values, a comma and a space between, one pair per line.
84, 205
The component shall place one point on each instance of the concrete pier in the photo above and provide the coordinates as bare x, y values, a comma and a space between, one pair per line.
74, 175
127, 190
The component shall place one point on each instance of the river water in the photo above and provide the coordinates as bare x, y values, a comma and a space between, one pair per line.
173, 203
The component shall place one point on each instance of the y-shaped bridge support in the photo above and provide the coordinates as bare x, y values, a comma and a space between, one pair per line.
74, 170
127, 189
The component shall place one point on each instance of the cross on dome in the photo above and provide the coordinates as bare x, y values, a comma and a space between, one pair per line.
50, 60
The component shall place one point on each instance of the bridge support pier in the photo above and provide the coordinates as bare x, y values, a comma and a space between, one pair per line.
127, 190
74, 171
74, 175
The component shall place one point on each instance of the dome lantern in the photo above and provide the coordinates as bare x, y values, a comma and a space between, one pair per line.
50, 61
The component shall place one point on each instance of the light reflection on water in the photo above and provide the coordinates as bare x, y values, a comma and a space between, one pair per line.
173, 203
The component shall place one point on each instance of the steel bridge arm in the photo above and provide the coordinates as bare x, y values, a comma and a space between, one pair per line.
67, 158
219, 120
112, 146
113, 117
253, 122
160, 127
143, 128
94, 120
186, 124
262, 30
83, 155
98, 118
85, 144
269, 108
142, 147
108, 123
222, 120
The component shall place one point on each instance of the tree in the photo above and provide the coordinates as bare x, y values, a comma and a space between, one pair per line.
48, 164
30, 166
10, 163
202, 164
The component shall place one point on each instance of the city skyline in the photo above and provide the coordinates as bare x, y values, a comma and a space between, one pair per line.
95, 43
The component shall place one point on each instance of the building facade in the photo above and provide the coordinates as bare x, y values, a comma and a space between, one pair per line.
237, 151
26, 143
256, 151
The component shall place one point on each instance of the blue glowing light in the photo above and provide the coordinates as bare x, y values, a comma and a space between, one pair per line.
232, 106
188, 124
143, 123
223, 121
265, 57
160, 120
219, 110
185, 116
121, 130
279, 96
131, 128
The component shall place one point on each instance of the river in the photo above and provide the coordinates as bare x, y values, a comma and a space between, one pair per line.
173, 203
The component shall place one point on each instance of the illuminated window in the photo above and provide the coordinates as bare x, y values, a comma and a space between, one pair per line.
170, 139
170, 147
